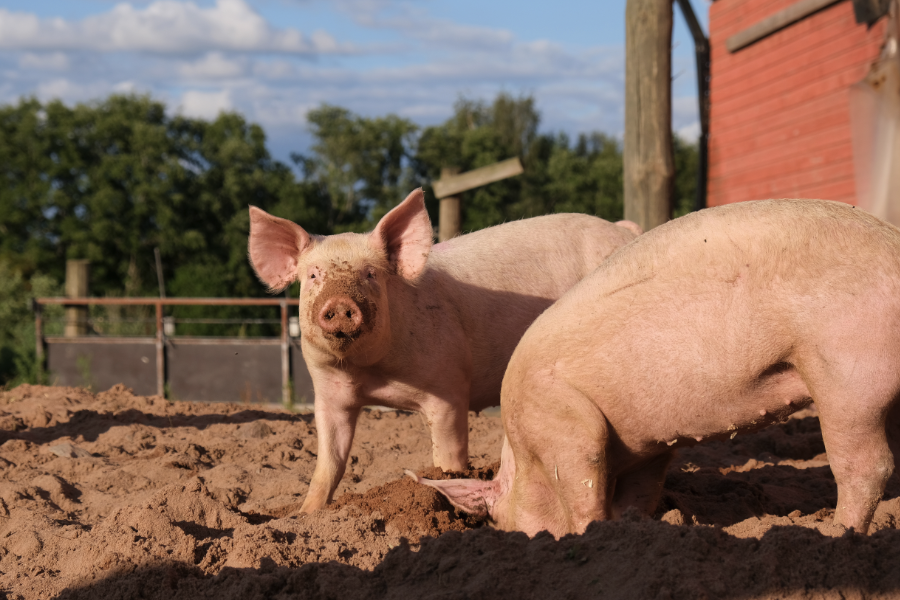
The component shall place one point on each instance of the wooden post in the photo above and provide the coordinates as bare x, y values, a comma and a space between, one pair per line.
76, 287
160, 352
450, 218
649, 165
38, 334
285, 357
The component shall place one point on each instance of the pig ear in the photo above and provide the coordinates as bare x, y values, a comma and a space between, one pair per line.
472, 496
275, 247
405, 234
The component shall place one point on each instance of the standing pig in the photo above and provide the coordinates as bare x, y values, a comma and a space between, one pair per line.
715, 324
387, 320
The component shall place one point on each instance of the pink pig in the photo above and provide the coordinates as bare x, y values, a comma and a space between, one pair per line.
715, 324
388, 320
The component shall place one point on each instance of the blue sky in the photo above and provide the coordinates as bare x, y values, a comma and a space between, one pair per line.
273, 60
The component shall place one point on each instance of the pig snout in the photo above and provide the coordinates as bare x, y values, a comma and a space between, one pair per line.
340, 317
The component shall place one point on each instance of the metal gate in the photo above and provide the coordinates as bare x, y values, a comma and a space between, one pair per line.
231, 369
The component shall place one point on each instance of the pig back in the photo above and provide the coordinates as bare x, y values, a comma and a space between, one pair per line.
690, 314
501, 278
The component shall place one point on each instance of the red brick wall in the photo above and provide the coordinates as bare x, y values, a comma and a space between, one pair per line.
779, 115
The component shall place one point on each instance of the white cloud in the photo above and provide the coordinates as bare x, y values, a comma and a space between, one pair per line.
415, 23
53, 61
164, 26
125, 87
690, 132
205, 105
686, 117
204, 56
72, 91
213, 66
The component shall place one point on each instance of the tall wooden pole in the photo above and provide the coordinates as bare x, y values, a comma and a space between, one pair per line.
450, 218
648, 162
76, 287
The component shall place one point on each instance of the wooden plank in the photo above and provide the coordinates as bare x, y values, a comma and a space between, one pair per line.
823, 183
801, 69
763, 105
819, 38
762, 161
731, 14
477, 177
783, 127
782, 179
779, 20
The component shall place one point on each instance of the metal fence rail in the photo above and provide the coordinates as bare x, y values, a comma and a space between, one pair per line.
160, 339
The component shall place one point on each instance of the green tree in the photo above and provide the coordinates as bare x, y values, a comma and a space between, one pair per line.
478, 135
112, 180
559, 177
17, 341
587, 178
687, 161
358, 164
26, 243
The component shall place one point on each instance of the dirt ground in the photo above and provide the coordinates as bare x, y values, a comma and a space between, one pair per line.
120, 496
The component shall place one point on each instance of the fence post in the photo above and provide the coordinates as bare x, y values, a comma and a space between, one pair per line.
76, 287
285, 357
451, 211
38, 334
160, 352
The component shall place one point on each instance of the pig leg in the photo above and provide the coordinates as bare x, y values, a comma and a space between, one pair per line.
335, 428
852, 412
449, 424
855, 397
642, 487
862, 463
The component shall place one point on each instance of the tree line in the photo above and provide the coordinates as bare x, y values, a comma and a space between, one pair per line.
109, 181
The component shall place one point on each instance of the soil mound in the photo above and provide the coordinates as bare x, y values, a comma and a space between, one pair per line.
413, 511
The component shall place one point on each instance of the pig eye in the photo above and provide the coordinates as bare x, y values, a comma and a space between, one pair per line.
313, 276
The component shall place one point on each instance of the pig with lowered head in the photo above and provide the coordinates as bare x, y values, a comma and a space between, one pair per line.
718, 323
388, 320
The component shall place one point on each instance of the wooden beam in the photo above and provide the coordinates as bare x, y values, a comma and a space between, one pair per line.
457, 184
779, 20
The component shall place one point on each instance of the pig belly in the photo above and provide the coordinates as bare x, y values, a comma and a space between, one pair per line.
770, 398
698, 414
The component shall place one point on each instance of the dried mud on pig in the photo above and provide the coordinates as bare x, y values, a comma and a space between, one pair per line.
120, 496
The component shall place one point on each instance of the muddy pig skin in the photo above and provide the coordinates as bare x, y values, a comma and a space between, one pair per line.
387, 319
715, 324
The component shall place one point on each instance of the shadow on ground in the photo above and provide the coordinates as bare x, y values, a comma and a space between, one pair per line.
624, 559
